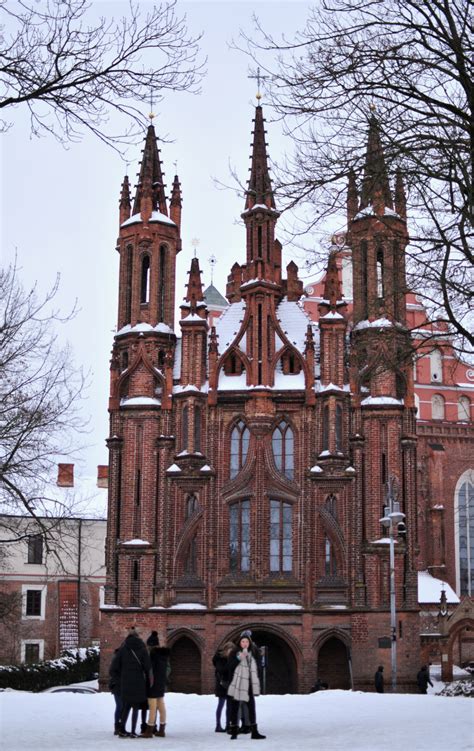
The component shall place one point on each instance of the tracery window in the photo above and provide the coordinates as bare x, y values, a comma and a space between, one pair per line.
330, 564
281, 536
239, 542
283, 449
191, 505
190, 564
239, 446
464, 516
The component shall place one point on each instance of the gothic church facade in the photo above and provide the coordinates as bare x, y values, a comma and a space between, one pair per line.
248, 461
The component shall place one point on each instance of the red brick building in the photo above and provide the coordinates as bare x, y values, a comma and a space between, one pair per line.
249, 460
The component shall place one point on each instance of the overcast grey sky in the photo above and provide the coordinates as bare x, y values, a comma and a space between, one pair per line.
60, 206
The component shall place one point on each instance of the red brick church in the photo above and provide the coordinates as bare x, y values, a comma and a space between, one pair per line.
249, 459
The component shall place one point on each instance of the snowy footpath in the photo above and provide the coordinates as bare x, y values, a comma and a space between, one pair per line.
342, 720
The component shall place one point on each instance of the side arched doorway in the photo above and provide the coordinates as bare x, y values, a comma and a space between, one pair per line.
281, 675
185, 661
333, 664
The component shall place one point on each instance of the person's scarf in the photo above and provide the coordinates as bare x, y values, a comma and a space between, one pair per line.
245, 672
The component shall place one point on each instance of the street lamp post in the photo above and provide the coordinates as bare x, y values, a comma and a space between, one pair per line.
391, 519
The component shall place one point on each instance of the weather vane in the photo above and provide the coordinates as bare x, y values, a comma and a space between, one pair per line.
195, 243
258, 77
212, 262
175, 165
152, 114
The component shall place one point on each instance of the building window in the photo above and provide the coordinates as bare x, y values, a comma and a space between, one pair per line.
34, 598
326, 428
464, 514
35, 549
437, 407
380, 279
191, 505
145, 280
436, 366
331, 505
239, 446
330, 565
32, 651
240, 536
128, 284
281, 536
283, 449
197, 428
162, 284
184, 427
464, 409
338, 427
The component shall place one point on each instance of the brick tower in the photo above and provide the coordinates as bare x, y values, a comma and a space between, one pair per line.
248, 459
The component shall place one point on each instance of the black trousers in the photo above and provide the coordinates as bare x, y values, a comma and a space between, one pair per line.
234, 710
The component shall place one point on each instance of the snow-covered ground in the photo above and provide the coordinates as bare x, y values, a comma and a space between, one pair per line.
327, 720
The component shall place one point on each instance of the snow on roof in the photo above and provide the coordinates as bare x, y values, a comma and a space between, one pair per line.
332, 314
140, 401
429, 589
294, 322
174, 468
136, 541
231, 382
330, 387
228, 324
370, 211
191, 387
288, 382
156, 216
316, 469
193, 317
187, 606
386, 401
379, 323
205, 468
142, 327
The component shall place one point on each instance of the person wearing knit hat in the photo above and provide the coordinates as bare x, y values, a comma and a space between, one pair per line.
159, 657
244, 685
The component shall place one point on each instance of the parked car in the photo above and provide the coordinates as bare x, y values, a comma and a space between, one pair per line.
469, 666
73, 688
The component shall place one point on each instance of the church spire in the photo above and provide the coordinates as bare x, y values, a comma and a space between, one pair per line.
332, 285
259, 189
125, 205
375, 184
194, 293
150, 187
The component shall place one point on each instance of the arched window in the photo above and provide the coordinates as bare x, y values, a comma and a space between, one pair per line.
145, 280
239, 446
239, 541
338, 427
464, 409
135, 583
331, 505
191, 505
330, 564
161, 359
233, 365
162, 284
380, 279
184, 427
124, 360
437, 407
281, 536
190, 562
326, 428
283, 449
436, 366
197, 428
464, 516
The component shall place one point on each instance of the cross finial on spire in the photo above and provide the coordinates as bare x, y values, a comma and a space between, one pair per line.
212, 262
152, 114
258, 77
175, 165
195, 243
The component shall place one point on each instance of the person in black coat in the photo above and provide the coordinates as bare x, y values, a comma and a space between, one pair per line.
422, 679
114, 687
159, 657
131, 672
378, 680
222, 680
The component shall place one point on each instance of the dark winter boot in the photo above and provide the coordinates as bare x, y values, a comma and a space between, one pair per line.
219, 728
147, 732
116, 728
245, 729
121, 732
256, 736
161, 731
234, 730
155, 730
143, 727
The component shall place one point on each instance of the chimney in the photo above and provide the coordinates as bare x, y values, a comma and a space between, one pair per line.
102, 475
65, 476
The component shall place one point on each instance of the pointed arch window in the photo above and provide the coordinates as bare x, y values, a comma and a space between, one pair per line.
162, 284
339, 427
239, 543
437, 407
331, 505
190, 562
380, 274
464, 514
281, 536
464, 409
239, 446
145, 280
185, 427
283, 449
191, 505
128, 284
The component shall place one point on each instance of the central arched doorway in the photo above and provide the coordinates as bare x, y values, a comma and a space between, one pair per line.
185, 662
333, 664
281, 676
